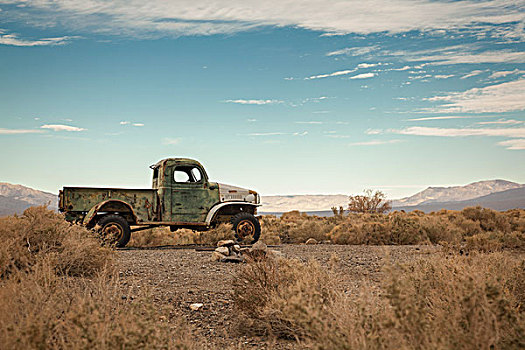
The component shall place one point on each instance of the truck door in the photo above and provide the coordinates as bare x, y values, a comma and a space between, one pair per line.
191, 198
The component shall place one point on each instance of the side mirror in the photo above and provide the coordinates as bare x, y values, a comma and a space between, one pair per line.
213, 187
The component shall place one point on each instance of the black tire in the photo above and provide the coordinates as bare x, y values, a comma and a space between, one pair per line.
246, 226
115, 230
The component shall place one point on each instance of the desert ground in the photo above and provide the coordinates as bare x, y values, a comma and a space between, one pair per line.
181, 277
372, 281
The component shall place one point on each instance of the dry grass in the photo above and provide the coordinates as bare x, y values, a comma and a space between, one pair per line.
42, 235
59, 290
163, 236
474, 302
471, 229
474, 228
282, 297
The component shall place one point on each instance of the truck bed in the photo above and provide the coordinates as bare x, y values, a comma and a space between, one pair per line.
77, 201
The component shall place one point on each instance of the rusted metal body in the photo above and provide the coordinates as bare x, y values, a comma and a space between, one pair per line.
181, 196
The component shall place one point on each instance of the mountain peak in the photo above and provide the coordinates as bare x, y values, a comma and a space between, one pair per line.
19, 197
457, 193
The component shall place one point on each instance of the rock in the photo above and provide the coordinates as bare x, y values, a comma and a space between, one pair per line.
223, 250
216, 256
259, 246
276, 254
196, 306
232, 259
326, 242
236, 248
311, 241
226, 243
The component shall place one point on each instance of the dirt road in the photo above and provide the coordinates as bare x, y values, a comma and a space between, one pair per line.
180, 278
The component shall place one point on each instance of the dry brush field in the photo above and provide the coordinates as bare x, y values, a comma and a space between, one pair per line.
393, 281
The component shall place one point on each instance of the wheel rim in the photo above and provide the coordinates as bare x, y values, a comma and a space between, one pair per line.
245, 228
113, 232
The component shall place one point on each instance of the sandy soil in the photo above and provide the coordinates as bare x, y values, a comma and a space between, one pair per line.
181, 277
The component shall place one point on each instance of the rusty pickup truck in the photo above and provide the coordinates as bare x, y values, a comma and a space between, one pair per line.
181, 197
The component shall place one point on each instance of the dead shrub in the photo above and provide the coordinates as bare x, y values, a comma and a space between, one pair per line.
44, 311
282, 297
369, 202
43, 234
442, 302
160, 236
453, 228
59, 291
489, 220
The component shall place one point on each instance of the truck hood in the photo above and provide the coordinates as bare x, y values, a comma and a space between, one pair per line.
229, 193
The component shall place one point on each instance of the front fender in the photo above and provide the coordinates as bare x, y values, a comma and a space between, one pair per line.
92, 213
215, 209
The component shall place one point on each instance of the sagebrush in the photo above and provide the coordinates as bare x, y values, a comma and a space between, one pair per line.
442, 302
59, 289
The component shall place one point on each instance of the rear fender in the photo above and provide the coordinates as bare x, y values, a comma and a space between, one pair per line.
111, 205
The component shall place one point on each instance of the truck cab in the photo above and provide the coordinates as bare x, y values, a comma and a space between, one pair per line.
182, 196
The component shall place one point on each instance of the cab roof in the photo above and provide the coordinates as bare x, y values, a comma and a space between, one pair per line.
172, 161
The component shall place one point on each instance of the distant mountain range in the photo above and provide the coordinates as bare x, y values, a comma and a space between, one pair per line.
494, 194
503, 200
456, 193
14, 199
281, 204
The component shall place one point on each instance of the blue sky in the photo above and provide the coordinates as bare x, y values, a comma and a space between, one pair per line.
285, 97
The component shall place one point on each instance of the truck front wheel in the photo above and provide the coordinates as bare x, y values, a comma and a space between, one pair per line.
246, 227
115, 230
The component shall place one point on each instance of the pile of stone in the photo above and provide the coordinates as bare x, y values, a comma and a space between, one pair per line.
230, 251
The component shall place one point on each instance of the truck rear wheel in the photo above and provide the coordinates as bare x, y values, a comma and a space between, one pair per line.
246, 227
115, 230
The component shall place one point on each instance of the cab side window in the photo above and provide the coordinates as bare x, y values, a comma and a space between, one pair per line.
187, 174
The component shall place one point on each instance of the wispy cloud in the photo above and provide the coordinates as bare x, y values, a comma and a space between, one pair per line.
503, 122
304, 133
347, 71
126, 122
185, 17
363, 76
447, 117
444, 76
457, 132
333, 74
502, 74
14, 40
61, 127
374, 142
309, 122
334, 136
473, 74
515, 144
368, 65
504, 97
171, 141
254, 102
354, 51
19, 131
458, 54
